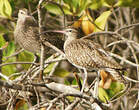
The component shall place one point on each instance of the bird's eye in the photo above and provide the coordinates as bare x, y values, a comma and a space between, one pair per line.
70, 30
22, 12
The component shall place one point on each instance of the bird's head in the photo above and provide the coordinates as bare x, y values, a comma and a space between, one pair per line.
23, 13
69, 32
25, 18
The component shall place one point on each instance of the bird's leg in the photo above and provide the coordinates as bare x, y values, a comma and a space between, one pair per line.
96, 86
78, 80
84, 80
36, 59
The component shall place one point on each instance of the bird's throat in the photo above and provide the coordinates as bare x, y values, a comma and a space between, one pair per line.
68, 41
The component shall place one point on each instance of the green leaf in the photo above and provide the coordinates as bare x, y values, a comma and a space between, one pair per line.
95, 4
66, 82
21, 105
53, 9
10, 49
110, 2
67, 10
5, 8
49, 68
58, 71
102, 94
12, 3
3, 30
74, 82
61, 72
76, 6
1, 7
9, 69
2, 41
115, 88
128, 3
75, 3
67, 1
82, 6
26, 56
101, 21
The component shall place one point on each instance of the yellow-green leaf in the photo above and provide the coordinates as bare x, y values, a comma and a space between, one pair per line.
3, 30
115, 88
74, 82
25, 56
111, 2
9, 69
66, 10
75, 3
95, 4
53, 9
58, 71
1, 7
10, 49
49, 68
102, 94
5, 8
101, 21
2, 41
128, 3
61, 72
66, 82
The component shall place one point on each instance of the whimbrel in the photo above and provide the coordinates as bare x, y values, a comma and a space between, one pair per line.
27, 34
88, 55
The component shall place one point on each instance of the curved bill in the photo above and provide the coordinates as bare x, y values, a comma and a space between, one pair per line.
59, 31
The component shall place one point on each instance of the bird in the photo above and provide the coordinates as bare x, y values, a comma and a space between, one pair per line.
89, 55
26, 34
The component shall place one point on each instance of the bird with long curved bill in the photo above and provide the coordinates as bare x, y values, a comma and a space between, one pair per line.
26, 34
88, 55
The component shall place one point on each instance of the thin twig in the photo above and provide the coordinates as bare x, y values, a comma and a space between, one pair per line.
41, 38
120, 41
54, 67
14, 54
126, 27
117, 20
125, 60
73, 105
6, 78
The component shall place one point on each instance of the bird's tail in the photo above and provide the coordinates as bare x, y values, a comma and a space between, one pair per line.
117, 74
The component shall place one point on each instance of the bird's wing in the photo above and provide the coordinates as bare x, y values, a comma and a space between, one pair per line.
32, 32
102, 57
88, 54
83, 54
78, 53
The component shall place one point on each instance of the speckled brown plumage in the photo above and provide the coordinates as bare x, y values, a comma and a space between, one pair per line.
84, 53
27, 35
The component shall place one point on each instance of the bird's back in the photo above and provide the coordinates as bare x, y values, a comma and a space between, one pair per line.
85, 53
27, 37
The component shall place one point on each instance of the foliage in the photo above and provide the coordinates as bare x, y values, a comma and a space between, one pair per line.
5, 8
89, 16
107, 94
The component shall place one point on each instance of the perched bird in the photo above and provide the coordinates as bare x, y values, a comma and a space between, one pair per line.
27, 34
89, 55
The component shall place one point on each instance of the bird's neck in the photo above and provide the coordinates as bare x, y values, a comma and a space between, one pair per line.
20, 23
26, 22
68, 41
